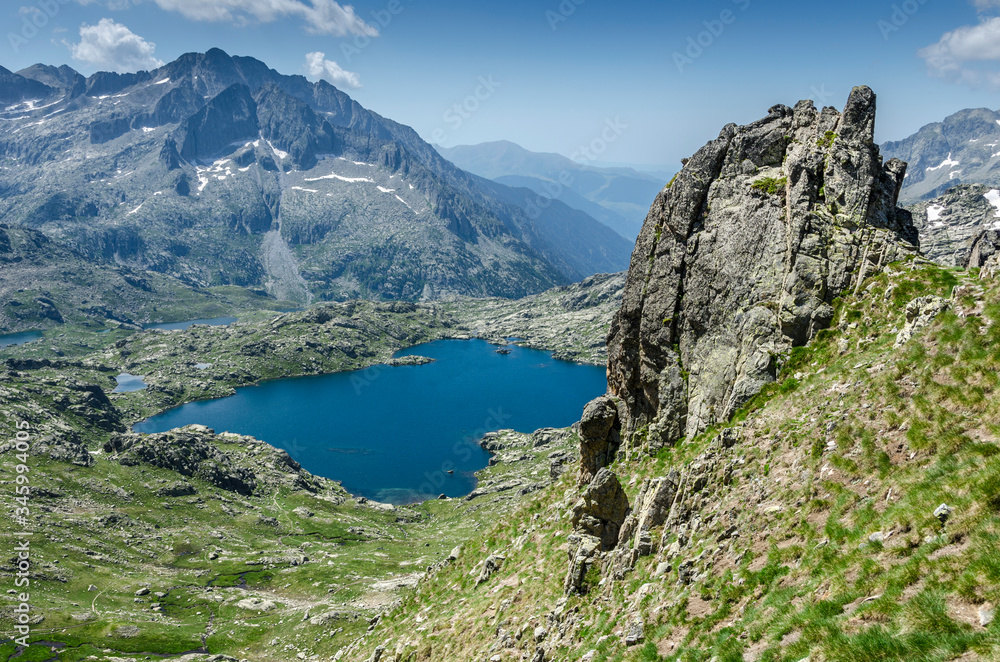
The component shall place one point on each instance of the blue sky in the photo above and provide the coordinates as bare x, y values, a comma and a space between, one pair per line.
557, 75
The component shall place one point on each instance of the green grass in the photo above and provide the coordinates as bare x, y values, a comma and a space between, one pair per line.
770, 185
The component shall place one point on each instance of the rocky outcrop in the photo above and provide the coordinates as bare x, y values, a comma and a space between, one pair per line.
951, 225
188, 453
740, 258
584, 551
194, 451
983, 247
602, 509
599, 437
652, 507
169, 156
919, 314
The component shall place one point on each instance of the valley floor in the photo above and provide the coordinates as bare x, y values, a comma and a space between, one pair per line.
196, 544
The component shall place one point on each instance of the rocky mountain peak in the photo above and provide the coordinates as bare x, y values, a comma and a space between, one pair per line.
227, 118
740, 258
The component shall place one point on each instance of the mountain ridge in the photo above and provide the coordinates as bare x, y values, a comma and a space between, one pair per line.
216, 145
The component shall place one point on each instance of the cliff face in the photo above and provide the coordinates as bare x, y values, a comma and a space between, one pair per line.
950, 225
740, 259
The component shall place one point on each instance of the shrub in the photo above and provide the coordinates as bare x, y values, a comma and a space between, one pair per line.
770, 185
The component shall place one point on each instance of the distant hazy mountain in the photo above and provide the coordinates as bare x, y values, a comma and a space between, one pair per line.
618, 197
963, 149
220, 171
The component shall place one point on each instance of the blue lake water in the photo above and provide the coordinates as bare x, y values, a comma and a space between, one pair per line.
180, 326
393, 433
128, 383
11, 339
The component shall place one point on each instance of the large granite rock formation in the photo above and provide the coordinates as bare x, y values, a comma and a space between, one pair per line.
741, 257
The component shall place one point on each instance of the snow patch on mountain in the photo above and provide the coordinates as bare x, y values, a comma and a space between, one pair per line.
343, 179
946, 163
994, 199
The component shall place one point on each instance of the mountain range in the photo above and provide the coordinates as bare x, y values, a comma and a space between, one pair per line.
217, 170
618, 197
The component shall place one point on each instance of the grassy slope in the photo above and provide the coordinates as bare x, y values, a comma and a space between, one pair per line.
857, 438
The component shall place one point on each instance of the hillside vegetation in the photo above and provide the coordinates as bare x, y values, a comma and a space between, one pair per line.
849, 512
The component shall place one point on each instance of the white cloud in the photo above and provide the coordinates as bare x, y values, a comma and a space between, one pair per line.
317, 66
320, 16
962, 55
112, 46
986, 5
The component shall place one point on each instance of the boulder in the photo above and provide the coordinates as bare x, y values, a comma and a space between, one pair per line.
491, 566
636, 634
582, 552
599, 437
942, 513
602, 509
256, 604
920, 313
177, 489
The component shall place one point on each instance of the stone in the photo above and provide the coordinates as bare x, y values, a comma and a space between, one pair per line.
599, 437
540, 634
740, 259
142, 591
602, 509
177, 489
581, 557
920, 313
942, 512
986, 615
636, 634
455, 553
256, 604
491, 565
